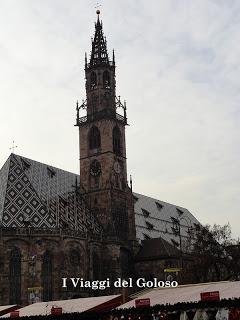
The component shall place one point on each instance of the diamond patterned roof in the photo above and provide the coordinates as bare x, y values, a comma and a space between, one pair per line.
45, 196
153, 219
42, 196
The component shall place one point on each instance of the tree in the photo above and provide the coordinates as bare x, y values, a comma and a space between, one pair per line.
213, 254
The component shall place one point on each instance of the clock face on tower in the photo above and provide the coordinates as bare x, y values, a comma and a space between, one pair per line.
95, 168
117, 167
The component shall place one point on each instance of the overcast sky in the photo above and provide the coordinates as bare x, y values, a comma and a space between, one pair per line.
177, 67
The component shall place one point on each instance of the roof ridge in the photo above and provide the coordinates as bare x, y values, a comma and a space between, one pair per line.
3, 187
160, 201
45, 164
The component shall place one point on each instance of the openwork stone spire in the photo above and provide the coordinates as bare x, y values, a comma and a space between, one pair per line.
99, 53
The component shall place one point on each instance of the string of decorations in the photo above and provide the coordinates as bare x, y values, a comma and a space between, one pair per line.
146, 313
183, 306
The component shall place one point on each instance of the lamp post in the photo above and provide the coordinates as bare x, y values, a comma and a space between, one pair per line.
177, 231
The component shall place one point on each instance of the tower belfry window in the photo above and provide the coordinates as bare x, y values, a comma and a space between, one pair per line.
93, 80
117, 141
106, 79
94, 138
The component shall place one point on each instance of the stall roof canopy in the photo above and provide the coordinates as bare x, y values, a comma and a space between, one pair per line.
8, 308
68, 306
187, 293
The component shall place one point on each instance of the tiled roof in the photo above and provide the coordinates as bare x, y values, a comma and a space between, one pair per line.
43, 196
153, 212
28, 186
156, 248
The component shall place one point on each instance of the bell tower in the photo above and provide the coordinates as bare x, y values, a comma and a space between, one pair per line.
102, 119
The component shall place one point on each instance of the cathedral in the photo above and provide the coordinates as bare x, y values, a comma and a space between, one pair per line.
55, 224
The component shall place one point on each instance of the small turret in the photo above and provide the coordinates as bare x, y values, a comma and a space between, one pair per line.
113, 58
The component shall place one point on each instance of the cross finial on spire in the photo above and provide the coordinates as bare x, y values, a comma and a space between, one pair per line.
97, 7
13, 146
98, 12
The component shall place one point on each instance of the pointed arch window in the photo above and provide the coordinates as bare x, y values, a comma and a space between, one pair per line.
74, 258
94, 138
106, 79
47, 276
124, 262
15, 276
93, 80
117, 148
96, 261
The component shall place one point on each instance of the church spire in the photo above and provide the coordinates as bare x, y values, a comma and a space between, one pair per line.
99, 54
103, 168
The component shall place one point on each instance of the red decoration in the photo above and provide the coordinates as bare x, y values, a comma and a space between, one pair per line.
56, 311
210, 296
14, 314
142, 303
